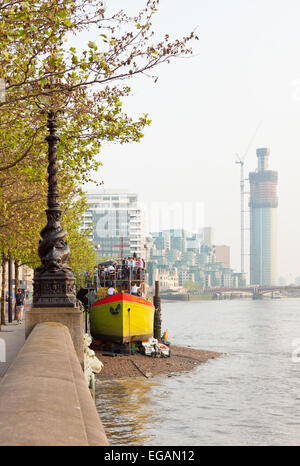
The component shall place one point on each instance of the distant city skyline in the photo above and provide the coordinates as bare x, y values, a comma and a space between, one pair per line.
205, 109
176, 256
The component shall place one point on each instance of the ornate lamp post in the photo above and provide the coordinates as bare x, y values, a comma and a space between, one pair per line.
54, 283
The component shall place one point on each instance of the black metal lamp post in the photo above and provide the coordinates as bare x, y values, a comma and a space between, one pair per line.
54, 283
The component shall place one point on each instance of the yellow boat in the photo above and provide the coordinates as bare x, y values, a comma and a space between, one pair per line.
122, 318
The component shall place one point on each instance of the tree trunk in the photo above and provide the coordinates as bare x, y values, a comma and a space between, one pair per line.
3, 297
17, 270
10, 289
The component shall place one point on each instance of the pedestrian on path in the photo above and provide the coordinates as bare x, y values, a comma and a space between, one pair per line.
20, 303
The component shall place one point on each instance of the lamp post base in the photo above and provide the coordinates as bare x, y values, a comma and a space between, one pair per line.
54, 290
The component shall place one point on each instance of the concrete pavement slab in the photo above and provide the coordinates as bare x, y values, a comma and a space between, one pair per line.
12, 338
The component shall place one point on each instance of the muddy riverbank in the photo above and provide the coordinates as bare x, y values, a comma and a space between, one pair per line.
136, 365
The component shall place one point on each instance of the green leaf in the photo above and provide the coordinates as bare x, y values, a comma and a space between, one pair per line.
92, 45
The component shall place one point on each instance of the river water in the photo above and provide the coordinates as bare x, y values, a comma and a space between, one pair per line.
250, 396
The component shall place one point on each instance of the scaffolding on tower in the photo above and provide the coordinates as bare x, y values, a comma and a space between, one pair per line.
241, 162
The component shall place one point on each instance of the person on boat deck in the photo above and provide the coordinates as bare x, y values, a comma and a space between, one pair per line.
124, 268
118, 272
140, 263
102, 277
140, 266
132, 265
111, 291
111, 271
134, 289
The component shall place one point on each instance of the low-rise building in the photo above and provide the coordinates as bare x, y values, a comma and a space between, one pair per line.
168, 279
185, 276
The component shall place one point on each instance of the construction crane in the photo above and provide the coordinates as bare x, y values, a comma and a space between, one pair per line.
241, 161
242, 186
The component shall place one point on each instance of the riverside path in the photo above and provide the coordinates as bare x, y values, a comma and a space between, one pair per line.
12, 338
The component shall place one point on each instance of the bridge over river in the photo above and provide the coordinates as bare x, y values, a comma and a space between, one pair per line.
256, 291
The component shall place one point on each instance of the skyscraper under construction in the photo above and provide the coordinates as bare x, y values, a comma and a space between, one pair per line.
263, 222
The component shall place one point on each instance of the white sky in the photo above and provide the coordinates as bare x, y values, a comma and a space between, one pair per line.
246, 69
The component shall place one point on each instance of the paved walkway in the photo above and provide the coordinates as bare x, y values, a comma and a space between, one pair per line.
12, 338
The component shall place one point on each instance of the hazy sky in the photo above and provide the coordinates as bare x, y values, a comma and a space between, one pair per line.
204, 110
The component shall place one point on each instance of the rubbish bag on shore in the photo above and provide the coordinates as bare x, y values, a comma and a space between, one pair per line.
155, 349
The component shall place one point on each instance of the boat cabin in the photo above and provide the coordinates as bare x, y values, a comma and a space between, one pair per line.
122, 275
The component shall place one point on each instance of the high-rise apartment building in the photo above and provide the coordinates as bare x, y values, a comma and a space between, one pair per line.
263, 222
223, 255
170, 239
114, 217
178, 239
161, 240
208, 236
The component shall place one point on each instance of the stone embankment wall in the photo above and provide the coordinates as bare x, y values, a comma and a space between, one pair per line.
44, 397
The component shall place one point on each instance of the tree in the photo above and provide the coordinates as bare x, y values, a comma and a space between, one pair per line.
3, 297
191, 286
83, 255
86, 85
29, 223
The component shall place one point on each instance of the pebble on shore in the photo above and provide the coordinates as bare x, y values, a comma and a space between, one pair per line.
137, 365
